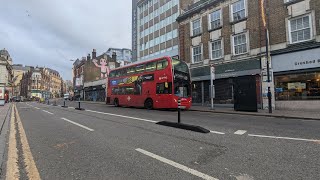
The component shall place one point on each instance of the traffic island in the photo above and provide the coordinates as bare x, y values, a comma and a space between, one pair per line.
184, 126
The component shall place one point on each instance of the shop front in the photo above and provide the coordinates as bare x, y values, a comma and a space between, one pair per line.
297, 80
225, 75
95, 90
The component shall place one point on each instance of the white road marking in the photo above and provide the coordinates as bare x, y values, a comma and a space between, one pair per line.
80, 125
36, 107
71, 107
216, 132
288, 138
240, 132
129, 117
47, 112
176, 165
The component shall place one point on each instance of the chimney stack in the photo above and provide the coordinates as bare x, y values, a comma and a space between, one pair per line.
88, 57
94, 54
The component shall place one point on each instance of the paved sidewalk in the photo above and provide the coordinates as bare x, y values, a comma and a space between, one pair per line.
311, 115
4, 110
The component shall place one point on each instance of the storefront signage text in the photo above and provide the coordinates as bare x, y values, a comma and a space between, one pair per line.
307, 62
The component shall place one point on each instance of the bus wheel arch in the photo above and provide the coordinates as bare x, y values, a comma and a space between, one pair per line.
116, 102
148, 103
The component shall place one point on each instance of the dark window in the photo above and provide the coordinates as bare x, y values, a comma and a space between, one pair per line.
164, 88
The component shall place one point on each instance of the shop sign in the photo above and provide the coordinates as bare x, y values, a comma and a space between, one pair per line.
296, 60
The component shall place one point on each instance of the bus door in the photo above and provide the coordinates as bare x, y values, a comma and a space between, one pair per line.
163, 95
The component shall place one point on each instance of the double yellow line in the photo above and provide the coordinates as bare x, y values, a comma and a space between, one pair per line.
12, 172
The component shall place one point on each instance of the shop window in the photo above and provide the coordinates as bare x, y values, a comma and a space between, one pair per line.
301, 86
164, 88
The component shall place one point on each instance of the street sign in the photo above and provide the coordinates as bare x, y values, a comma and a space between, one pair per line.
213, 72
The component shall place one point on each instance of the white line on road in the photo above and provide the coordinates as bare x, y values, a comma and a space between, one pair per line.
47, 112
176, 165
240, 132
216, 132
36, 107
129, 117
288, 138
80, 125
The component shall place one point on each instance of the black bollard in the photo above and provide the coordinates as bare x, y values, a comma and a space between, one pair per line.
64, 104
179, 110
79, 107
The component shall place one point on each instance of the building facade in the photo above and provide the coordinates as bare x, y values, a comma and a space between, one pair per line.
90, 76
230, 36
124, 56
6, 76
227, 35
296, 53
154, 28
18, 71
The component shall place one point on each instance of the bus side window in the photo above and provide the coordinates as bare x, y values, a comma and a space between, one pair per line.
140, 68
164, 88
162, 64
151, 66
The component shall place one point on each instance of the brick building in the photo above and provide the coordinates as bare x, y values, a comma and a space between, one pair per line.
90, 76
226, 34
295, 44
229, 34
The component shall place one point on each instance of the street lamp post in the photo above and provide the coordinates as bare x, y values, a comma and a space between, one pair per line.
264, 15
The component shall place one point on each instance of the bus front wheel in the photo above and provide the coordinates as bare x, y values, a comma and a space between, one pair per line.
148, 104
116, 102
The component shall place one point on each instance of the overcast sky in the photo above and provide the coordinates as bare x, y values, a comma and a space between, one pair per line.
51, 32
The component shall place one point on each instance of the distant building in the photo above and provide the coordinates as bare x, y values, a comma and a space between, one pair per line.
6, 75
154, 28
90, 75
124, 56
18, 71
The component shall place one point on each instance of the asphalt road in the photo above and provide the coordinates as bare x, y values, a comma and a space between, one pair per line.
105, 142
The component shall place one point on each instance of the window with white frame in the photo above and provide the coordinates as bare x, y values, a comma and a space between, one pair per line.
300, 29
238, 10
240, 44
216, 49
215, 19
196, 27
196, 54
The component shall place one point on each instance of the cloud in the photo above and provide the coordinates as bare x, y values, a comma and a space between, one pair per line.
50, 33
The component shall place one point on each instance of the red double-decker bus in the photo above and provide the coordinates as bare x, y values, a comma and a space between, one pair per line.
157, 83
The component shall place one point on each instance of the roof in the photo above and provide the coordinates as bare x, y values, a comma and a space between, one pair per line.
20, 67
4, 52
297, 47
196, 8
